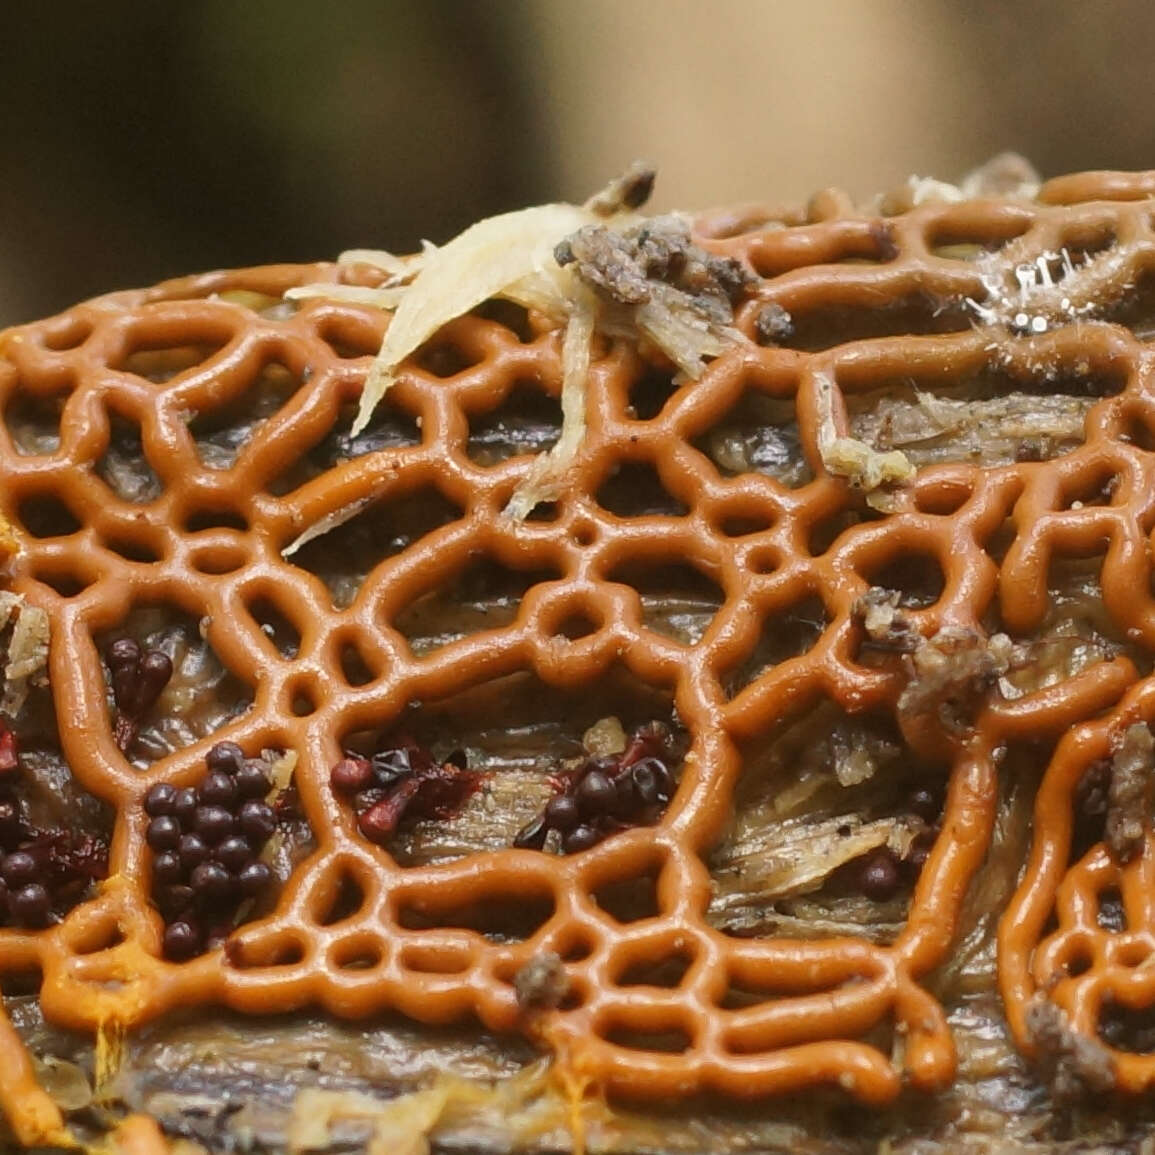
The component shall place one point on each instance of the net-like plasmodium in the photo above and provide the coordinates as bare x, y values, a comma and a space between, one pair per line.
874, 302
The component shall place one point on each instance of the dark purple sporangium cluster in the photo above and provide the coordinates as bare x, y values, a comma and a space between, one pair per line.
138, 679
43, 872
206, 843
605, 794
401, 780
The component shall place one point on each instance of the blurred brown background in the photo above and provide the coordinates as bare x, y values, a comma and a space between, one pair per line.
143, 138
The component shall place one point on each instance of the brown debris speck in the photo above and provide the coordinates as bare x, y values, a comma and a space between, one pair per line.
607, 262
1129, 794
631, 190
885, 624
1071, 1063
882, 234
950, 671
627, 267
773, 325
542, 983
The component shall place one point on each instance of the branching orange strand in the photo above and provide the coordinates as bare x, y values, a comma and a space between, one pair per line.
103, 965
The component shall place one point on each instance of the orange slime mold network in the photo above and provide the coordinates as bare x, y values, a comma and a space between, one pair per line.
874, 297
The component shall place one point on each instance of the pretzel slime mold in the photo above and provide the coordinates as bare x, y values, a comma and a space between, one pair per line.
612, 682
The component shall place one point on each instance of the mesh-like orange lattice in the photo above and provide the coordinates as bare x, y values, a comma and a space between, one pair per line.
873, 300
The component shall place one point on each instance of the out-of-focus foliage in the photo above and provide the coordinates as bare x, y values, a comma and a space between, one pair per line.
146, 138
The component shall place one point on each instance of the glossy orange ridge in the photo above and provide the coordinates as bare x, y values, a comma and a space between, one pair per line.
103, 966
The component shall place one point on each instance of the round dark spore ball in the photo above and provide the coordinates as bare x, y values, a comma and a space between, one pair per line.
155, 673
252, 780
167, 868
159, 800
257, 821
181, 941
234, 852
226, 757
213, 823
562, 813
210, 881
218, 789
30, 904
20, 869
596, 794
924, 804
184, 805
580, 838
254, 878
163, 833
124, 653
193, 850
878, 875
